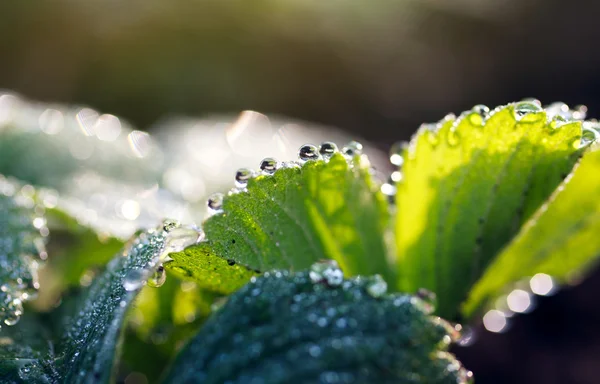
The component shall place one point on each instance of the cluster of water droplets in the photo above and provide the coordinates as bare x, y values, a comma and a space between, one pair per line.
285, 311
23, 234
170, 237
269, 165
559, 114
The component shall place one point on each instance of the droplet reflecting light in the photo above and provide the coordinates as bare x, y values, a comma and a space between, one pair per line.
519, 301
541, 284
494, 321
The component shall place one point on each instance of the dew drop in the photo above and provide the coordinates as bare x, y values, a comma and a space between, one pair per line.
396, 176
388, 189
533, 100
588, 136
557, 122
396, 153
158, 278
353, 148
527, 112
495, 321
558, 109
430, 133
580, 112
328, 149
242, 176
11, 308
519, 301
182, 237
169, 224
481, 110
134, 279
326, 271
541, 284
268, 166
12, 312
215, 203
479, 114
25, 371
314, 351
377, 287
453, 138
308, 152
12, 319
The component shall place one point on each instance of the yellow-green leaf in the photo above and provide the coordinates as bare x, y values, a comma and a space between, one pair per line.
468, 185
561, 239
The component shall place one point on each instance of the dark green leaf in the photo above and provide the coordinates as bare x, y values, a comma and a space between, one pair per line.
23, 351
285, 327
93, 322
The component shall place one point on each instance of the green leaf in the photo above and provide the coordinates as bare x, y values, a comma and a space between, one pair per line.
21, 247
91, 324
560, 240
23, 350
291, 327
322, 210
468, 185
90, 342
77, 254
160, 321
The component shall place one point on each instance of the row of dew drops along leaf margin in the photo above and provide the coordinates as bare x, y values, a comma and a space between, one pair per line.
521, 298
181, 237
557, 113
178, 237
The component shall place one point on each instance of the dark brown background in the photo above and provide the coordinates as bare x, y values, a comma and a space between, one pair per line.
377, 69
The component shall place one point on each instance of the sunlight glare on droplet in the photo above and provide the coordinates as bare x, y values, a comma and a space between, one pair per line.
140, 143
39, 222
86, 119
51, 121
541, 284
519, 301
388, 189
494, 321
107, 127
130, 209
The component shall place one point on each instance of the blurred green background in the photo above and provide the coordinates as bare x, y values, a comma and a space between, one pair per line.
375, 68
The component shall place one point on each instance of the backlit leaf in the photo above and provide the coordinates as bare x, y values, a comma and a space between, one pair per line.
468, 185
